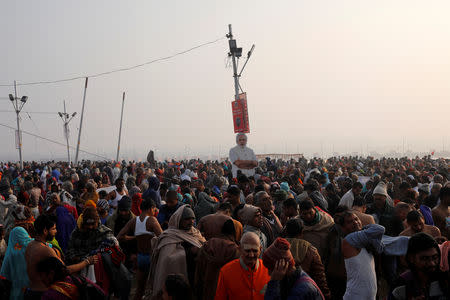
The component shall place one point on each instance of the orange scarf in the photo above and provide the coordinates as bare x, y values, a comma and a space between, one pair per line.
67, 289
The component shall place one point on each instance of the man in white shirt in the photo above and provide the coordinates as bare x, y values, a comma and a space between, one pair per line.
242, 157
349, 197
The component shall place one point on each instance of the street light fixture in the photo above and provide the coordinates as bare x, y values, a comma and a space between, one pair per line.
14, 100
66, 118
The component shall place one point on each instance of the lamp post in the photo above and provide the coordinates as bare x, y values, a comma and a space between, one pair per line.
66, 118
18, 104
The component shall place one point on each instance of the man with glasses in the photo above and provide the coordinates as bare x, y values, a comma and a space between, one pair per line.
423, 280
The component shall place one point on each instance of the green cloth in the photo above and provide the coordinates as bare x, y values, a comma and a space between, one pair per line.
316, 219
55, 244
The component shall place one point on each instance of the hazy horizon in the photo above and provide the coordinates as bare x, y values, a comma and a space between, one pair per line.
326, 77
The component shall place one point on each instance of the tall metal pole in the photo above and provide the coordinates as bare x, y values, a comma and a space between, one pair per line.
120, 128
66, 132
18, 126
233, 56
66, 118
81, 122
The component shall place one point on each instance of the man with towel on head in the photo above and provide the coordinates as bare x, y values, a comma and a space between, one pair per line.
175, 250
252, 219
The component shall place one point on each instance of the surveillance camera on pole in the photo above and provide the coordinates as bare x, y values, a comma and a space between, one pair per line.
236, 53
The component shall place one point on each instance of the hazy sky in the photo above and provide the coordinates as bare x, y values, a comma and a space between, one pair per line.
325, 76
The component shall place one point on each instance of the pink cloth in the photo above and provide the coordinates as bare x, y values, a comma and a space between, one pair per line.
444, 255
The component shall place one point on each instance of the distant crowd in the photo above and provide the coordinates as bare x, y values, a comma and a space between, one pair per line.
337, 228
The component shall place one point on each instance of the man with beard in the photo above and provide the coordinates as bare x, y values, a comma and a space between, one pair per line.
242, 157
121, 216
423, 280
39, 249
176, 249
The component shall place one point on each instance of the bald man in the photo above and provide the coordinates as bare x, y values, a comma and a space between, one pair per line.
245, 277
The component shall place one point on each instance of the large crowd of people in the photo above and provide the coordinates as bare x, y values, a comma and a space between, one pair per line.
337, 228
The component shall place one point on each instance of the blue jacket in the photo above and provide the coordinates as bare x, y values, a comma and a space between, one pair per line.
304, 289
153, 191
165, 213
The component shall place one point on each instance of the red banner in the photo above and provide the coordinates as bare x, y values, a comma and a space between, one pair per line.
240, 114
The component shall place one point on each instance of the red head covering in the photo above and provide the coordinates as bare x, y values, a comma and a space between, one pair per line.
278, 250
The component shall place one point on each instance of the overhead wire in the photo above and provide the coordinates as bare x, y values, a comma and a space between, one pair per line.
116, 70
39, 132
33, 112
91, 76
55, 142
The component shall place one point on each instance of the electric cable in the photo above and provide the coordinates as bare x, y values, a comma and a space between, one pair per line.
55, 142
33, 112
116, 70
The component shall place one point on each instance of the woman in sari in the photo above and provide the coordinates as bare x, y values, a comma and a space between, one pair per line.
14, 266
65, 222
56, 276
